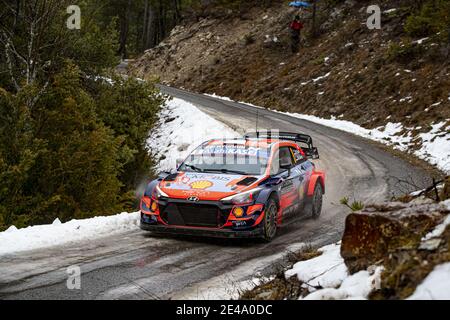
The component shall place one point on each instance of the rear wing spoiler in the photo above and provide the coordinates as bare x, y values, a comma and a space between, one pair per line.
305, 140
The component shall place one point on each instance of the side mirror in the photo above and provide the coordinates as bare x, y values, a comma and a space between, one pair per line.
275, 181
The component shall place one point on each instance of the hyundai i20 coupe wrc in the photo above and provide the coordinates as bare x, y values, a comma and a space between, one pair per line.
238, 188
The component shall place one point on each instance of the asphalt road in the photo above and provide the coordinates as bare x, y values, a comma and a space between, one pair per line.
136, 265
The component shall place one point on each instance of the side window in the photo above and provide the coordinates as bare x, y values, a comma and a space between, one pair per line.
297, 156
282, 159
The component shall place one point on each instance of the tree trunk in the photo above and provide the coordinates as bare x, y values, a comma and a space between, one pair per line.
176, 8
145, 28
314, 14
151, 38
124, 28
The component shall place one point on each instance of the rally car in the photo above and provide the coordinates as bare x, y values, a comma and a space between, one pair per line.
237, 188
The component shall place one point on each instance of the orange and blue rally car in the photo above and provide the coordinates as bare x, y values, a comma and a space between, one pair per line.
237, 188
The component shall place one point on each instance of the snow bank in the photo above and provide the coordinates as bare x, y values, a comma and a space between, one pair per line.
183, 127
435, 286
16, 240
434, 145
326, 270
329, 272
355, 287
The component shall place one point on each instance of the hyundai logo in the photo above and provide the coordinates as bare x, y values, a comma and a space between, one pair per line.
193, 199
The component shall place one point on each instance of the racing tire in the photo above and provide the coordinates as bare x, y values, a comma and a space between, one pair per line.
270, 220
316, 202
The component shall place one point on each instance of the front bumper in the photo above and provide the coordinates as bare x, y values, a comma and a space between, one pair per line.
204, 232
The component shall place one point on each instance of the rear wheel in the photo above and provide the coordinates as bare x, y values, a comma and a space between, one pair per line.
316, 201
270, 220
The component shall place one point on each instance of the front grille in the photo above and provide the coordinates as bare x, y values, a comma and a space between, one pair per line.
192, 215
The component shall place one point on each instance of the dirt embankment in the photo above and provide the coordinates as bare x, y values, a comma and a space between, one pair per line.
370, 77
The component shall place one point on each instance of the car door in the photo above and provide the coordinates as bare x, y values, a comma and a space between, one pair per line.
304, 169
283, 166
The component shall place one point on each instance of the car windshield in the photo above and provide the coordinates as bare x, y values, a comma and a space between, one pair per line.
235, 160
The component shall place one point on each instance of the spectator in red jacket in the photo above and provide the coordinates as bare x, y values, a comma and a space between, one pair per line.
296, 26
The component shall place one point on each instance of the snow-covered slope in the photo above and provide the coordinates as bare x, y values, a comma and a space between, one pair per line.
16, 240
183, 127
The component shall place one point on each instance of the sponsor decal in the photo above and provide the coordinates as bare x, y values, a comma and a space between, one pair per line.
196, 193
184, 180
201, 185
235, 149
208, 177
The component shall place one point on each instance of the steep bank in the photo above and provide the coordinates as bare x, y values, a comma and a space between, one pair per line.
370, 77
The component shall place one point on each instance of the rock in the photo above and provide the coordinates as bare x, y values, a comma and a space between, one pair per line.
445, 193
264, 295
377, 231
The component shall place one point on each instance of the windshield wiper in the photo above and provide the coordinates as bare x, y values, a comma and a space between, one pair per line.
194, 167
227, 171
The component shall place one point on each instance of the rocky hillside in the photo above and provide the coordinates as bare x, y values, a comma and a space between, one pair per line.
370, 77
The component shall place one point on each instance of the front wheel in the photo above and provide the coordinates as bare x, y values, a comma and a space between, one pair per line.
270, 220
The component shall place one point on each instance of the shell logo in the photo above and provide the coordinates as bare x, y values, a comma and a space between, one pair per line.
201, 185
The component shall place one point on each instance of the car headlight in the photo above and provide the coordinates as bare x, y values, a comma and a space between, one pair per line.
245, 198
159, 193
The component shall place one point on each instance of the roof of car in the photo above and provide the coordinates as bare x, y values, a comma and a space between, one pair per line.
253, 142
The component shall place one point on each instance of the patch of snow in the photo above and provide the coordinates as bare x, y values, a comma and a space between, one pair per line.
420, 41
408, 98
189, 127
327, 270
439, 229
355, 287
390, 10
322, 77
435, 286
386, 135
436, 146
213, 95
16, 240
